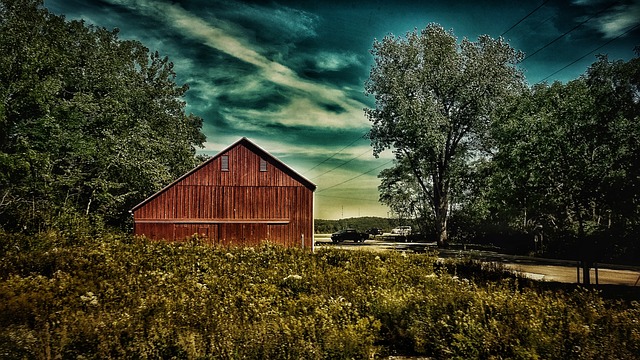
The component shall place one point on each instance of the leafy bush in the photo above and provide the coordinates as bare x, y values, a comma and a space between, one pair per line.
120, 296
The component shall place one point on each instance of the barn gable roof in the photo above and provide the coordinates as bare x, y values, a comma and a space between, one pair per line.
251, 146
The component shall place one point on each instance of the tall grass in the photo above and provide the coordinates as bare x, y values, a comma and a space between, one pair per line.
123, 297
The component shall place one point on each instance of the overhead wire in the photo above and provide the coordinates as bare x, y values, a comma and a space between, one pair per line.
567, 32
590, 52
359, 138
336, 153
525, 58
355, 177
524, 18
341, 165
353, 142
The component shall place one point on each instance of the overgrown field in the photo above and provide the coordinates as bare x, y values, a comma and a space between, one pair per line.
120, 297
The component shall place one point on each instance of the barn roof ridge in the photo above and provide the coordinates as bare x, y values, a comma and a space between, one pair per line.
304, 181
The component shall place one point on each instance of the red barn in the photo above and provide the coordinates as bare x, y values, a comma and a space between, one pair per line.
241, 196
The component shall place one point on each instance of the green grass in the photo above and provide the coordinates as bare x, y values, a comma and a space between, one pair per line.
121, 297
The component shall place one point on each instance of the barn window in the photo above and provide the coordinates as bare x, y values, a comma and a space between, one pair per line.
224, 163
263, 165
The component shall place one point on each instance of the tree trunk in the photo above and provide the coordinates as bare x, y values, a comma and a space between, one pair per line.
585, 250
442, 213
441, 227
586, 276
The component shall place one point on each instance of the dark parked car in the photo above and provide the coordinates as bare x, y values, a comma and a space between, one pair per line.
374, 231
349, 234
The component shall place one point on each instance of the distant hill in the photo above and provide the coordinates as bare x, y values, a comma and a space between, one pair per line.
359, 223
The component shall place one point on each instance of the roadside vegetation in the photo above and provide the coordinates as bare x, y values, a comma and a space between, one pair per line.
115, 296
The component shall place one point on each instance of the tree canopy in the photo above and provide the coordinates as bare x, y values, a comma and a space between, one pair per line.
90, 124
435, 100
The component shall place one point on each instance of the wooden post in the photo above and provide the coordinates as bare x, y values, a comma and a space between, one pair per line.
578, 272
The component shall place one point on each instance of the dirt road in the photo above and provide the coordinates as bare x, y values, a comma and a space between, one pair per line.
564, 271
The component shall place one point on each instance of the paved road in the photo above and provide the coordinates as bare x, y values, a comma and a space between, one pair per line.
535, 268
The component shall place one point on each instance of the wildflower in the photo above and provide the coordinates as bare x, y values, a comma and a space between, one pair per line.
201, 286
294, 277
89, 298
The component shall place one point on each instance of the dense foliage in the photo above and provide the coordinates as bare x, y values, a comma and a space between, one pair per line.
89, 124
123, 297
567, 162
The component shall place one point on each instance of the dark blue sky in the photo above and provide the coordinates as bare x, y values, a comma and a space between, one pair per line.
290, 74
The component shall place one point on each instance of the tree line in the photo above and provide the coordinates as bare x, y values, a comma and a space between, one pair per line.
322, 226
481, 154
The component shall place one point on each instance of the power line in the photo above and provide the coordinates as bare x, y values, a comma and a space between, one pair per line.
341, 165
538, 25
567, 32
336, 153
590, 52
355, 177
521, 20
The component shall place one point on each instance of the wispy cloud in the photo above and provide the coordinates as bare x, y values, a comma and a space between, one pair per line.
286, 23
304, 111
619, 20
310, 100
332, 61
358, 154
615, 21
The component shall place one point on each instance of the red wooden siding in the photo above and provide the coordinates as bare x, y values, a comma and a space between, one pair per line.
241, 206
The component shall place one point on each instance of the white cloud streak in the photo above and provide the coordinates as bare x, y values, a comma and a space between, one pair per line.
333, 61
305, 106
615, 21
619, 20
288, 23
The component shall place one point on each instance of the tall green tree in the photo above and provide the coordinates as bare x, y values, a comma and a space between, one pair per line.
435, 98
90, 124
